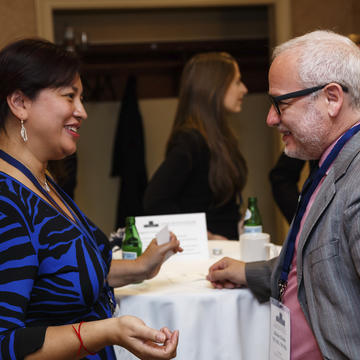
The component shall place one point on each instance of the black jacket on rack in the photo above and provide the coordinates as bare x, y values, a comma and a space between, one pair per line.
128, 161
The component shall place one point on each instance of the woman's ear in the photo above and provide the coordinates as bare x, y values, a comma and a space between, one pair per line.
335, 98
18, 104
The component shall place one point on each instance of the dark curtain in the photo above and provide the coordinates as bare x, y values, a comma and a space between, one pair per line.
128, 160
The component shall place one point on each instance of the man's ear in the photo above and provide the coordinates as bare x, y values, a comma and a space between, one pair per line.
335, 98
18, 104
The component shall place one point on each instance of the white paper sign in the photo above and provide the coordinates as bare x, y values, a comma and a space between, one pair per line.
190, 229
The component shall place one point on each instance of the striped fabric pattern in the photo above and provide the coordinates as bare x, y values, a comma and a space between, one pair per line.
52, 271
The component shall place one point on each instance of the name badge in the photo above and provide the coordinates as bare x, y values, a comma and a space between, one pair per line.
279, 331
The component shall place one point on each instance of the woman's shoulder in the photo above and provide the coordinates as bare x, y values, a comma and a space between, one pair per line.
192, 139
9, 186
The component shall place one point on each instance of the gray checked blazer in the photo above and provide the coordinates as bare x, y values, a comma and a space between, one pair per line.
328, 260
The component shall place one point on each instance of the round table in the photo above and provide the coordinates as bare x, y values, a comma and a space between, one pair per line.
214, 324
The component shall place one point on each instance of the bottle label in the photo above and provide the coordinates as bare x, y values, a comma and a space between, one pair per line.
247, 214
252, 229
129, 255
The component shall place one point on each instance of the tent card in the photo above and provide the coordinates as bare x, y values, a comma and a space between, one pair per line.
190, 229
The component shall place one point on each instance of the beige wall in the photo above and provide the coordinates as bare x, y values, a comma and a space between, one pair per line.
17, 19
97, 191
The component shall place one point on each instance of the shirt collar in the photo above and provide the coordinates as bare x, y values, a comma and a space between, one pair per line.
328, 150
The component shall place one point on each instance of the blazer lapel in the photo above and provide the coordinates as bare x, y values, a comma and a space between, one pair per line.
323, 198
326, 194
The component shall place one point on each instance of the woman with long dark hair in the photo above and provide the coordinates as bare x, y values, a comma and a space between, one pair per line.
204, 170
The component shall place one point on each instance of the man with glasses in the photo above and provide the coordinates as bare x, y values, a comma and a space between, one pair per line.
314, 87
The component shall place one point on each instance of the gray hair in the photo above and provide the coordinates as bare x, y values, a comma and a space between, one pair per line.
324, 57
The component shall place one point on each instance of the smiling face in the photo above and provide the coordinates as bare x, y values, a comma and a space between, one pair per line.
302, 123
235, 93
53, 120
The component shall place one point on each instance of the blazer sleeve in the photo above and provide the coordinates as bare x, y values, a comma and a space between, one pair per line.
258, 277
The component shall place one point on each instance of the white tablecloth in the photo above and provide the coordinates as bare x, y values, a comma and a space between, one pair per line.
213, 324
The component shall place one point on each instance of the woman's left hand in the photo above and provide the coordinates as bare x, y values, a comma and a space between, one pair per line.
154, 255
144, 342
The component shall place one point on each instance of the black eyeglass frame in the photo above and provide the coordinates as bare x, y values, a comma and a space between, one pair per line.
275, 100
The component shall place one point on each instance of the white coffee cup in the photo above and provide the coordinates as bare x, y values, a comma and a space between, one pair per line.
255, 246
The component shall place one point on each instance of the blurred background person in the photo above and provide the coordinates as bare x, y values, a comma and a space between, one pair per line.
56, 268
284, 179
203, 170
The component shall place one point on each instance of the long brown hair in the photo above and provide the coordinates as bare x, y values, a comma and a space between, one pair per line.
205, 80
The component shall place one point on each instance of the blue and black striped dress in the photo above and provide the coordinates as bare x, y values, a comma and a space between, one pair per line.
52, 271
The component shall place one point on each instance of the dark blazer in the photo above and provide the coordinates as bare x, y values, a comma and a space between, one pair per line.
181, 185
328, 260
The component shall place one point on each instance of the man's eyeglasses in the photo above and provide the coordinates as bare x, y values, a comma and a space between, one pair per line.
276, 100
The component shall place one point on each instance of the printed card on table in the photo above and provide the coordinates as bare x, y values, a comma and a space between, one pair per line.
190, 230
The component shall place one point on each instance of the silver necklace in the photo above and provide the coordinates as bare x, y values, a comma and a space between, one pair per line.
45, 185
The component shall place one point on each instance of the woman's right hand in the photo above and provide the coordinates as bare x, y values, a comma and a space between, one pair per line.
144, 342
154, 255
146, 266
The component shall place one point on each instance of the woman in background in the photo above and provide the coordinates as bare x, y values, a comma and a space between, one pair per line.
204, 170
56, 269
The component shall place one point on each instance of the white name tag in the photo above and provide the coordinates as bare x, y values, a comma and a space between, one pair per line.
280, 331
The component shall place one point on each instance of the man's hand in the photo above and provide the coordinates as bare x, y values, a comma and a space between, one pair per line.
227, 273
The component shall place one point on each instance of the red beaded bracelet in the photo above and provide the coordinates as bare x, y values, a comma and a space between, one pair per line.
77, 332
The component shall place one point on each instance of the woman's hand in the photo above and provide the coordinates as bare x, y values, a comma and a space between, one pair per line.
146, 266
127, 331
154, 255
144, 342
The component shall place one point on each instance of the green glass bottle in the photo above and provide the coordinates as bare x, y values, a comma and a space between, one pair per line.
131, 246
252, 221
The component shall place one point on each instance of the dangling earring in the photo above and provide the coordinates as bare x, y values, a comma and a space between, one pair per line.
23, 132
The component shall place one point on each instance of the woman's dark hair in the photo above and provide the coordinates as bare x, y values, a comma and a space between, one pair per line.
205, 80
31, 65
